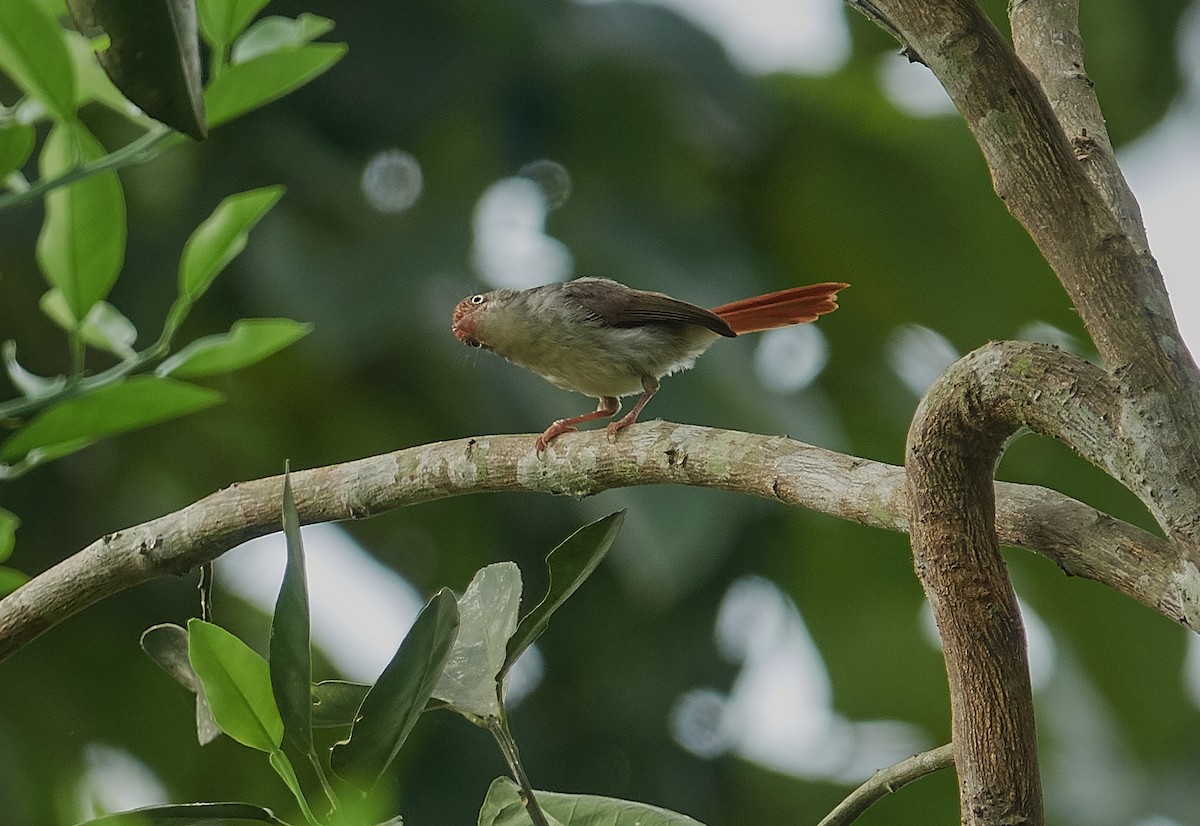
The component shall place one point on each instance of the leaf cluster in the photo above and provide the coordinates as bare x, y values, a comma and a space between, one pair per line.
455, 656
144, 65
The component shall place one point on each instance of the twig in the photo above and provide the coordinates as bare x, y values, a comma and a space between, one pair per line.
886, 781
498, 726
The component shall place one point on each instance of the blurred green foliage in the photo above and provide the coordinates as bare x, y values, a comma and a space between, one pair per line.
690, 177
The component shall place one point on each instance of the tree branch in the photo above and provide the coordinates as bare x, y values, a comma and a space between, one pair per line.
1079, 539
1112, 279
1046, 39
886, 781
956, 438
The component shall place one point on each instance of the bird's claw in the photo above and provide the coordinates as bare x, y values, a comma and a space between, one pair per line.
553, 431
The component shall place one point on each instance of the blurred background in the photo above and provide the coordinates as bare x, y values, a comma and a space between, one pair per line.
732, 659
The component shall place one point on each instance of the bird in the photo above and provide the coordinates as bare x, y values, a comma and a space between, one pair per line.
603, 339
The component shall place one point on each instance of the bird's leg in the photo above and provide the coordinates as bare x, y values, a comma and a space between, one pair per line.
649, 388
608, 407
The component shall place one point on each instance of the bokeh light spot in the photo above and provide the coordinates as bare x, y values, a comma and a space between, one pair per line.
552, 178
918, 355
392, 181
789, 359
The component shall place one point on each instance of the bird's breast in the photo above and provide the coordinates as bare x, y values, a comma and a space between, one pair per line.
597, 360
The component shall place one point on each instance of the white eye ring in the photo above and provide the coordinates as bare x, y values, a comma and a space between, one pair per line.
477, 299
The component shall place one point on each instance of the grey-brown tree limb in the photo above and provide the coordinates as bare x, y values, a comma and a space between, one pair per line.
1041, 131
1079, 539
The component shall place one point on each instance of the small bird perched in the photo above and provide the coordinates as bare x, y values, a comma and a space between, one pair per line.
605, 340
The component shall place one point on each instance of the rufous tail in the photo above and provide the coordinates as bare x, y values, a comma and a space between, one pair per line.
796, 305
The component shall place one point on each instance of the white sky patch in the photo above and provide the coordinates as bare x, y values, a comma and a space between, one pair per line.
1163, 169
113, 780
1191, 668
360, 609
511, 246
918, 355
912, 88
808, 37
1047, 333
392, 181
779, 712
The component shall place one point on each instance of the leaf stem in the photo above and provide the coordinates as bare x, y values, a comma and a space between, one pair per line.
75, 339
324, 778
498, 726
153, 143
77, 385
283, 767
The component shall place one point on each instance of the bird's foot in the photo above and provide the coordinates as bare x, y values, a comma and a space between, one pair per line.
553, 431
620, 424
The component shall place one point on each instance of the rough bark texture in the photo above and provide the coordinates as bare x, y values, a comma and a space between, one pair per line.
956, 439
1079, 539
1046, 39
1042, 134
1112, 279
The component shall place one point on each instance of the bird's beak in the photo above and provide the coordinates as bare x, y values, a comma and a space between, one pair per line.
463, 324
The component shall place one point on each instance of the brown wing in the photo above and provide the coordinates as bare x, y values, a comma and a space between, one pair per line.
619, 306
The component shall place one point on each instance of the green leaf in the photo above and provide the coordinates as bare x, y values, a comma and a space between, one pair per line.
569, 565
291, 653
503, 807
34, 54
336, 702
31, 385
221, 236
11, 579
167, 646
108, 329
134, 403
82, 243
283, 767
9, 522
153, 56
223, 20
489, 616
237, 684
271, 34
105, 327
243, 87
16, 145
93, 83
190, 814
250, 340
392, 706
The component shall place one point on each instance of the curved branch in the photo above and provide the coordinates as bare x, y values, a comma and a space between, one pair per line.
1112, 279
956, 438
1081, 540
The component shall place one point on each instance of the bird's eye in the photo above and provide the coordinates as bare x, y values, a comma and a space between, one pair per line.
477, 299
